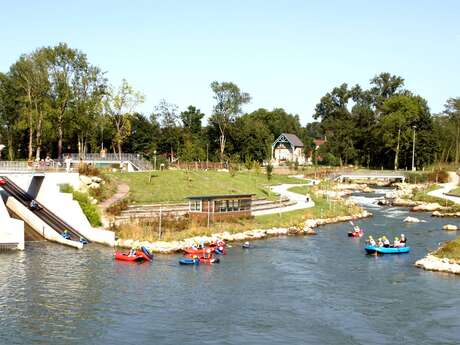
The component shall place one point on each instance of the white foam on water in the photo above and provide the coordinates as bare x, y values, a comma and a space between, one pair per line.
365, 201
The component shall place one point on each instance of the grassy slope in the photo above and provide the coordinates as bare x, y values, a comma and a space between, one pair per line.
450, 250
322, 209
455, 191
175, 185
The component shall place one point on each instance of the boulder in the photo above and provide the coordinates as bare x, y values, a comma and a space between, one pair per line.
93, 185
404, 202
96, 179
428, 207
450, 227
413, 220
85, 179
309, 231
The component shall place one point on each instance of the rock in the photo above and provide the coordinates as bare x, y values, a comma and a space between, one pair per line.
367, 189
309, 231
96, 179
413, 220
450, 227
94, 185
85, 179
428, 207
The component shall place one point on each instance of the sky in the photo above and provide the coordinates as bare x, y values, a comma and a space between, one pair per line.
284, 53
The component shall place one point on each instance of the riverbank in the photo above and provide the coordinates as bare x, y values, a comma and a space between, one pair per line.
307, 228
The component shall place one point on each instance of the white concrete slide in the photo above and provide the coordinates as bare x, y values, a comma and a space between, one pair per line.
11, 230
38, 225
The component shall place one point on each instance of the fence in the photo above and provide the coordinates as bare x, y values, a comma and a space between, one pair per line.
199, 165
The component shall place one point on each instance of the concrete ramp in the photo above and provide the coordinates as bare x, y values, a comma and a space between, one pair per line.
37, 224
11, 230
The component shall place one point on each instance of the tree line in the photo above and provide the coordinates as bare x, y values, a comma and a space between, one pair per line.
54, 101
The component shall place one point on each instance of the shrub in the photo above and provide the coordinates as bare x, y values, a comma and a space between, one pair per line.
116, 208
65, 188
91, 212
88, 170
269, 170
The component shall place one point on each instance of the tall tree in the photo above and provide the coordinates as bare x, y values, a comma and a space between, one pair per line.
119, 106
452, 109
191, 119
229, 100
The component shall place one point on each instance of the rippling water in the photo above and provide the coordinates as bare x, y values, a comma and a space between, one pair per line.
293, 290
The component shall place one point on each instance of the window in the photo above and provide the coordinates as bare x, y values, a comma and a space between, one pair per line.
245, 204
195, 205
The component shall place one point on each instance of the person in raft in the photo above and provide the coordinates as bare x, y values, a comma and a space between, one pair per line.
379, 242
403, 240
195, 257
371, 241
133, 250
357, 229
386, 242
396, 242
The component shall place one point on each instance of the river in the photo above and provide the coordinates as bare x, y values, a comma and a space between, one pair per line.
293, 290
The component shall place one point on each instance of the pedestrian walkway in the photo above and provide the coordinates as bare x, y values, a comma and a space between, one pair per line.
446, 188
122, 191
282, 189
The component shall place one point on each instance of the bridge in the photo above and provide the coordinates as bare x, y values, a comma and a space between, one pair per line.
126, 161
371, 175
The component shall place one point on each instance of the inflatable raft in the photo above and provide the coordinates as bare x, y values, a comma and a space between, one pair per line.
189, 261
125, 257
355, 234
199, 251
386, 250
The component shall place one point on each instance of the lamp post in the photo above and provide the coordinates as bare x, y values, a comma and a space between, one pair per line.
413, 150
155, 160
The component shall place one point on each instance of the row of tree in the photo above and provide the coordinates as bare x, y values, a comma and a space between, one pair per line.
53, 101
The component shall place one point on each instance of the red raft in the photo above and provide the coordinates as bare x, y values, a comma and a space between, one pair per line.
356, 234
139, 257
205, 260
199, 251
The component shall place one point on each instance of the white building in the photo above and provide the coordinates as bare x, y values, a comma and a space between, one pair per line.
288, 148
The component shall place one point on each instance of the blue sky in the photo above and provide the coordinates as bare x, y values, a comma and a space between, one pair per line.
284, 53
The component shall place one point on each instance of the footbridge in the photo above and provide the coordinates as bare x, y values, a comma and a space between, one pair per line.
387, 176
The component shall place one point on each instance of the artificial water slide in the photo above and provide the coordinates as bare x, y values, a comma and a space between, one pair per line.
41, 212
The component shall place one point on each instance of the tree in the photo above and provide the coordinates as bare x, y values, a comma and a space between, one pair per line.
119, 106
452, 110
229, 100
9, 113
65, 68
191, 119
167, 114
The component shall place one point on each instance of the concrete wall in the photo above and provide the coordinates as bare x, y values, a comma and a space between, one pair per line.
11, 230
46, 191
36, 224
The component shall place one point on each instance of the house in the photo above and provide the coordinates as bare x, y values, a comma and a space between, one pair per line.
317, 143
209, 208
288, 148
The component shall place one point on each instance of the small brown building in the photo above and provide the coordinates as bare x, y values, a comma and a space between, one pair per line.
209, 208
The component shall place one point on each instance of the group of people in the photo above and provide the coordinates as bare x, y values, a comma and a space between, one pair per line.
385, 242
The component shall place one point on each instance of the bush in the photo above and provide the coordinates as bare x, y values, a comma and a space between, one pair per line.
269, 170
88, 170
436, 176
116, 208
91, 212
65, 188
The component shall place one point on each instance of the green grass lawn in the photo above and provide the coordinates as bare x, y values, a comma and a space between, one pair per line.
172, 186
455, 191
450, 250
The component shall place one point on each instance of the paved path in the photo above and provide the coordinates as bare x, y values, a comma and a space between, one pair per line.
446, 188
282, 190
122, 191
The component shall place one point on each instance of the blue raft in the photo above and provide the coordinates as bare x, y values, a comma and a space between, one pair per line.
186, 261
386, 250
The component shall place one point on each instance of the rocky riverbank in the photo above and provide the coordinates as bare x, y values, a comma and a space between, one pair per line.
307, 228
433, 263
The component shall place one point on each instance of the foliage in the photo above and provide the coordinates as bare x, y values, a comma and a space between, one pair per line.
88, 170
269, 171
116, 208
172, 186
91, 212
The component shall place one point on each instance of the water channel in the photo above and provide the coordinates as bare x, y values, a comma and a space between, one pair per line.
293, 290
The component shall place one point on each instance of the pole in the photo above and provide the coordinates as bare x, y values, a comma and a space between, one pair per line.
413, 151
159, 225
155, 160
207, 157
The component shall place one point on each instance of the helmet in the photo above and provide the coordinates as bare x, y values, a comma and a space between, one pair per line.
195, 257
396, 238
402, 235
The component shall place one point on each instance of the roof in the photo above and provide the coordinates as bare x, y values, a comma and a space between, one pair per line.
292, 138
319, 142
222, 196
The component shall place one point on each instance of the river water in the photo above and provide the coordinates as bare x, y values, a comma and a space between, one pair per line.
294, 290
